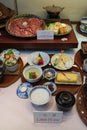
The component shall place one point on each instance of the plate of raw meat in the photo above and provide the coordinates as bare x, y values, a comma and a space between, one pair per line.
25, 25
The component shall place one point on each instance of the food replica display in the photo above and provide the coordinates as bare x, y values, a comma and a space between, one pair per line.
30, 90
67, 74
10, 58
32, 73
59, 28
49, 73
12, 66
62, 61
51, 86
39, 95
39, 58
25, 25
68, 78
65, 100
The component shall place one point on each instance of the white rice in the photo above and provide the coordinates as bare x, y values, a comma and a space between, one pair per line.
40, 96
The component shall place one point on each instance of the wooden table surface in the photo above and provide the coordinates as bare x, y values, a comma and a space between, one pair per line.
8, 41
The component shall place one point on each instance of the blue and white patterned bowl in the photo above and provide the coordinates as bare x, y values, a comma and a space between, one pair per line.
83, 24
23, 90
49, 73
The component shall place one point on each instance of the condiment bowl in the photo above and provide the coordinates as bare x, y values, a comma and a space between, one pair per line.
65, 100
32, 73
49, 74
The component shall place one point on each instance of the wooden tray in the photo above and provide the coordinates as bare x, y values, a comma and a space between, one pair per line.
10, 79
71, 88
78, 29
80, 104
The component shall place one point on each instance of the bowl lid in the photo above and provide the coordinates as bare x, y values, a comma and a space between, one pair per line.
65, 98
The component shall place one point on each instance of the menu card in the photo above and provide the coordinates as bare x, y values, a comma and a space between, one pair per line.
48, 117
45, 34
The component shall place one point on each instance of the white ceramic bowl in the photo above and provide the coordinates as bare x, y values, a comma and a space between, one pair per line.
39, 95
27, 73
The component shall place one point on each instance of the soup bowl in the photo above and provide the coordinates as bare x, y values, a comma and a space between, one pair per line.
32, 73
65, 100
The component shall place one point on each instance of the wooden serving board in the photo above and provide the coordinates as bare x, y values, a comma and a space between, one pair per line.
11, 78
60, 87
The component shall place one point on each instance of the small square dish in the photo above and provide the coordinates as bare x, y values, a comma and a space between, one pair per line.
73, 78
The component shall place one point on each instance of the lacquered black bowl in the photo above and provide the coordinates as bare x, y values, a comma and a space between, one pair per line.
65, 100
